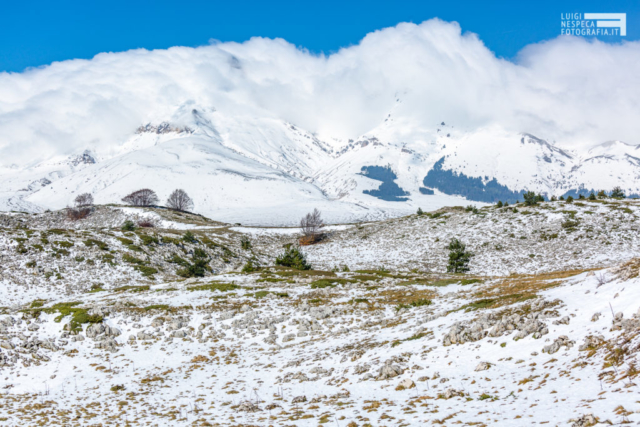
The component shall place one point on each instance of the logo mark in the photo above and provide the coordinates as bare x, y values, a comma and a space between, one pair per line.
594, 24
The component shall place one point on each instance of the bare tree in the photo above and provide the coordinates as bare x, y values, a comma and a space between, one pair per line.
180, 200
84, 199
311, 227
144, 197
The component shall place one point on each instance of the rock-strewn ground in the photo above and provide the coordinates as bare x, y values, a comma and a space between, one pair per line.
112, 343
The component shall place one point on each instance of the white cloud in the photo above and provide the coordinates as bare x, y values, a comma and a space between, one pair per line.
572, 90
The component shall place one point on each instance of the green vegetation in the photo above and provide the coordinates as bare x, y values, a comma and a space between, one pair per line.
617, 193
198, 267
147, 239
189, 237
128, 226
214, 286
294, 258
249, 267
146, 270
245, 243
132, 260
131, 288
92, 242
328, 283
421, 302
459, 257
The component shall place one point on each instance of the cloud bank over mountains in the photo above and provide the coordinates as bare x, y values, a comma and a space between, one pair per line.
571, 90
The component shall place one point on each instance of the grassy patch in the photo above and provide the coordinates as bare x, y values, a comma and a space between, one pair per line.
99, 244
328, 283
146, 270
214, 286
132, 260
131, 288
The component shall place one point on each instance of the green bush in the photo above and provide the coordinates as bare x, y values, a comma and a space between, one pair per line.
499, 204
420, 212
459, 257
132, 260
245, 243
530, 198
199, 266
92, 242
569, 199
617, 193
249, 267
128, 226
145, 270
293, 258
189, 237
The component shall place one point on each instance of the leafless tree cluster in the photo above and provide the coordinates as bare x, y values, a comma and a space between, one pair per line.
82, 209
84, 199
311, 226
144, 197
180, 200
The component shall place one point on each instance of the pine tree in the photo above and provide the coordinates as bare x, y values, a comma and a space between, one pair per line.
530, 198
420, 212
617, 193
293, 258
592, 196
459, 257
499, 203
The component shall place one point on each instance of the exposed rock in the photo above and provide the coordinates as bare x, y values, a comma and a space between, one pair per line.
483, 366
389, 371
299, 399
406, 383
563, 340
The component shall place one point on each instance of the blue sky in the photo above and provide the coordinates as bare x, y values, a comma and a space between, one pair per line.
35, 33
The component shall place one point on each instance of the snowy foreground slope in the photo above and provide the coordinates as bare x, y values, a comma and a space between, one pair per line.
97, 328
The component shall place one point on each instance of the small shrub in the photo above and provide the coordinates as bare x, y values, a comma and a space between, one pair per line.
293, 258
245, 243
132, 260
147, 239
530, 198
76, 214
249, 267
92, 242
618, 193
420, 211
421, 302
128, 226
459, 257
499, 204
145, 270
189, 237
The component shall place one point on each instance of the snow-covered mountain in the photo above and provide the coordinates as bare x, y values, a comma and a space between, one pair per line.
263, 170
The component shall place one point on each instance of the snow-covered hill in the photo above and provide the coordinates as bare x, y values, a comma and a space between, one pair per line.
104, 325
267, 171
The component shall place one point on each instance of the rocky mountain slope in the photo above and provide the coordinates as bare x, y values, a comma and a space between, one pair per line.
107, 325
